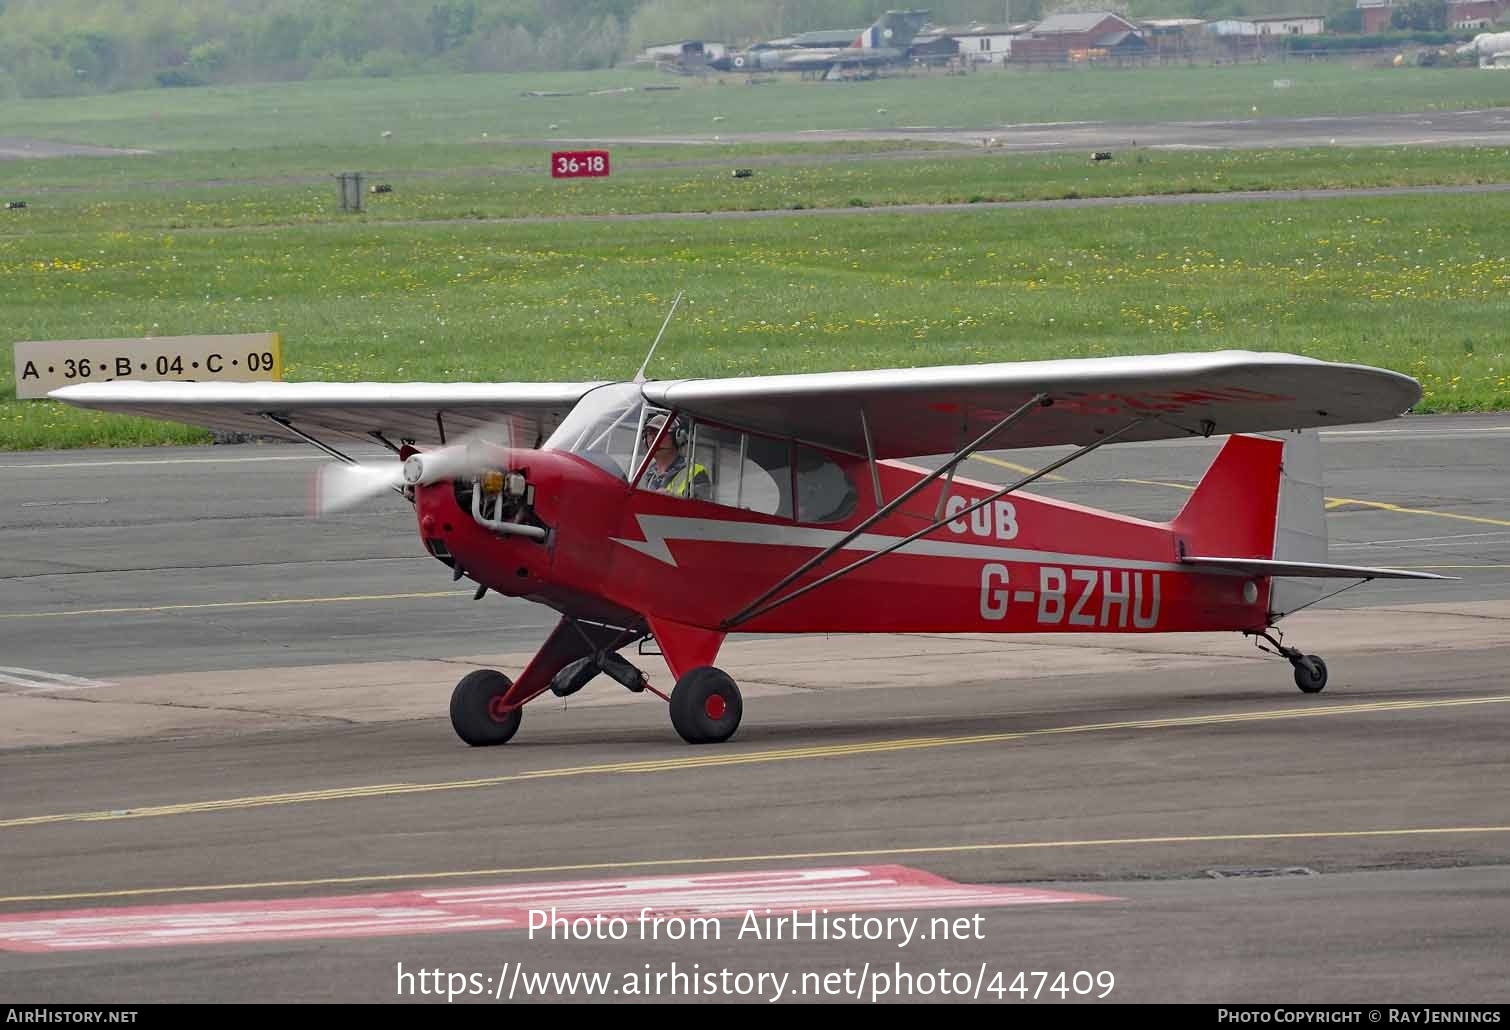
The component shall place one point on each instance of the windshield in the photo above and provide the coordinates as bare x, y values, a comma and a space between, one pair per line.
604, 428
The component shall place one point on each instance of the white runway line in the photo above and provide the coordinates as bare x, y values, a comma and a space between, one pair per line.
1417, 434
38, 679
1453, 537
167, 461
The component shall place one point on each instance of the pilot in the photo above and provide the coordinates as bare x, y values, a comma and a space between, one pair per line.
669, 471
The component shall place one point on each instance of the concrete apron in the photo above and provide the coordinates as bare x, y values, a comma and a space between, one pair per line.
243, 700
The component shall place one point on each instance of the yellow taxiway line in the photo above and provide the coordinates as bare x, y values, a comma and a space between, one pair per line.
792, 856
729, 758
1340, 502
1014, 467
1332, 503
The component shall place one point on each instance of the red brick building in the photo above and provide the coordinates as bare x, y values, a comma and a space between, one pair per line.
1059, 35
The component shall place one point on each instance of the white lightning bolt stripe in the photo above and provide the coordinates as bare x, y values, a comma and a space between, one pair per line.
659, 530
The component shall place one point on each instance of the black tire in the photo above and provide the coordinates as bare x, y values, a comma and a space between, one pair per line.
706, 706
472, 709
1308, 682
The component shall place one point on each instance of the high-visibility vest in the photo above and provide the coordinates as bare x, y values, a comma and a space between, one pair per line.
680, 483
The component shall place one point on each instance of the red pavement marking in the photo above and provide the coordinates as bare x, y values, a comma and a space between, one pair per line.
508, 907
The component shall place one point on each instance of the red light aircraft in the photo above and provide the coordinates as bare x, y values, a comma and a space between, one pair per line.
690, 509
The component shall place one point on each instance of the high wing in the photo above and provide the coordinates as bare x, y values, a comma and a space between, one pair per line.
918, 411
427, 413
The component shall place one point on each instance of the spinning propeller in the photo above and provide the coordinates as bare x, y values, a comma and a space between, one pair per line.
339, 486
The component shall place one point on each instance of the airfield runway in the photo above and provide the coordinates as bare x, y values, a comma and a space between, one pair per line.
1486, 127
223, 733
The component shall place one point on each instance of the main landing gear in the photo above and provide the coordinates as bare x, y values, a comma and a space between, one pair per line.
478, 714
705, 704
1310, 670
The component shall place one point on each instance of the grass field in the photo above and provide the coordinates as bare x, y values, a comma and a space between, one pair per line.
237, 232
510, 181
461, 108
1416, 284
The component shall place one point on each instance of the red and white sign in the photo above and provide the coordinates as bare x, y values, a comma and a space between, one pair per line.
508, 907
578, 164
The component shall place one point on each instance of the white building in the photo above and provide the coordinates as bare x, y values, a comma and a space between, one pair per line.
984, 44
1290, 25
1277, 25
1232, 27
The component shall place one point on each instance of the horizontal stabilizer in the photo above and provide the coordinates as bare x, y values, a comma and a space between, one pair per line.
1308, 570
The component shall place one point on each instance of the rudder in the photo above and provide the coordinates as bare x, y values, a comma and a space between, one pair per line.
1234, 508
1300, 533
1262, 497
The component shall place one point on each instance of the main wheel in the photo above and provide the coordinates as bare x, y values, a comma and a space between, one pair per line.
706, 706
1311, 682
477, 715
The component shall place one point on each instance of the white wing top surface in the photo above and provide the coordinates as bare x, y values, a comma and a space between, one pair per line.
918, 411
909, 412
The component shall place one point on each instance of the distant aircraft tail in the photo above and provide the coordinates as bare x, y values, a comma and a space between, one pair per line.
892, 29
1260, 510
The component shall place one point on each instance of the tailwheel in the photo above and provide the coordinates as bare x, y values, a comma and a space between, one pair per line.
477, 712
1310, 670
1310, 673
706, 706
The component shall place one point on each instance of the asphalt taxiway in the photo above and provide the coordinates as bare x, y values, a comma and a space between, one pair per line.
211, 700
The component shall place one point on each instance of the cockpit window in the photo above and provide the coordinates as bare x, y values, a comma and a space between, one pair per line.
707, 462
604, 428
824, 492
612, 427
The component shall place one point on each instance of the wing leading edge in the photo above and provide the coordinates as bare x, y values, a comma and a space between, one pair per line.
918, 411
909, 412
421, 412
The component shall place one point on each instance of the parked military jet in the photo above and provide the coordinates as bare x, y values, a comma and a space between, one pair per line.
886, 42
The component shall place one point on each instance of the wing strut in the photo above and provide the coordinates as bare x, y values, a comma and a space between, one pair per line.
338, 455
750, 610
870, 457
757, 608
286, 424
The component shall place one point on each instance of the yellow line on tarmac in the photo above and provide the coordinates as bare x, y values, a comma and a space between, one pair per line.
1342, 502
793, 856
1014, 467
719, 759
1157, 482
234, 604
1338, 502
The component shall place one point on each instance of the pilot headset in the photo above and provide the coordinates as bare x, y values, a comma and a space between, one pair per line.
678, 429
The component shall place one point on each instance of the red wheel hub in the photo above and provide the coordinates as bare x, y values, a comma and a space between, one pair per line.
715, 706
496, 710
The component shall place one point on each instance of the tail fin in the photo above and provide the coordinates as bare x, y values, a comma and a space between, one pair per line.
1235, 505
1260, 510
1263, 498
892, 29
